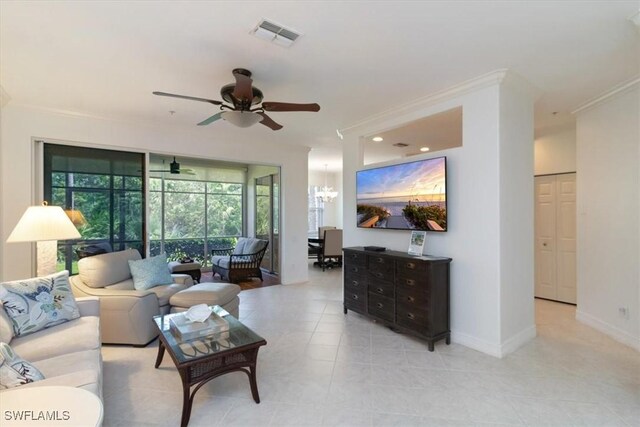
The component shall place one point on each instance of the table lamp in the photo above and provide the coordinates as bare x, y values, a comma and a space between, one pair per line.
45, 225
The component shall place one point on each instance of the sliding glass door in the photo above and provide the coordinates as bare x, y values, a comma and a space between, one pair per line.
103, 193
267, 218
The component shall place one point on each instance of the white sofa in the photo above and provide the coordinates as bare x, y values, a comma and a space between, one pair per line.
67, 354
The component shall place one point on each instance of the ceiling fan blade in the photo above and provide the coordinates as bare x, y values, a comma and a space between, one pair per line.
243, 88
211, 119
268, 122
192, 98
287, 106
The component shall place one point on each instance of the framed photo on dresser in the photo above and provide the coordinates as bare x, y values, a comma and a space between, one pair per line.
416, 243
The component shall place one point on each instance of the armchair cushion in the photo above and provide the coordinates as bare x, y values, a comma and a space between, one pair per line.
150, 272
39, 303
106, 269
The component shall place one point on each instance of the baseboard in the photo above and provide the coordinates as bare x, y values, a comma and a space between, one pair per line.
495, 350
608, 329
476, 344
518, 340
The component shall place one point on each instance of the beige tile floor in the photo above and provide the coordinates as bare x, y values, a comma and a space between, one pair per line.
321, 368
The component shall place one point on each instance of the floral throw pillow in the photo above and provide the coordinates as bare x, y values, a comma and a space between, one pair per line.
38, 303
15, 371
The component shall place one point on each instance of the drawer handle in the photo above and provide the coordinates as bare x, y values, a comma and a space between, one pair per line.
380, 305
379, 275
411, 299
355, 296
410, 265
380, 290
380, 260
411, 316
411, 282
355, 283
354, 256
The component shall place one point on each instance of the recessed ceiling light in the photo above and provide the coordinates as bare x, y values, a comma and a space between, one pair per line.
424, 149
377, 139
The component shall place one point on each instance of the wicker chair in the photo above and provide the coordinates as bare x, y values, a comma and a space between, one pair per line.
239, 263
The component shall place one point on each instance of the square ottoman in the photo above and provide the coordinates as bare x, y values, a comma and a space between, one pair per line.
222, 294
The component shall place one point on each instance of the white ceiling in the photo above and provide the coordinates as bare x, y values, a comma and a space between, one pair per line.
355, 58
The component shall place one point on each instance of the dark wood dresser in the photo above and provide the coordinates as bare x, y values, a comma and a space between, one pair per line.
407, 293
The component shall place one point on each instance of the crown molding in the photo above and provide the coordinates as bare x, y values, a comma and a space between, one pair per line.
486, 80
621, 88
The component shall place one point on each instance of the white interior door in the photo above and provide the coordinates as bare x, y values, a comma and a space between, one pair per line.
566, 237
545, 236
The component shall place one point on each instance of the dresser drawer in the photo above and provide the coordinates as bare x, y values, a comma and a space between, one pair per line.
355, 301
355, 258
378, 276
355, 281
412, 318
411, 267
380, 287
354, 269
411, 282
381, 264
412, 297
381, 307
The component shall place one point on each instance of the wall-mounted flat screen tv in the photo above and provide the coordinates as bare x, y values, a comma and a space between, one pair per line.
408, 196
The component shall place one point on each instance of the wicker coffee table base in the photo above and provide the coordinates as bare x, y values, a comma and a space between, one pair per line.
199, 372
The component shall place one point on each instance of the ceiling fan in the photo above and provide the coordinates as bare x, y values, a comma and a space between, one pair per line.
174, 168
242, 95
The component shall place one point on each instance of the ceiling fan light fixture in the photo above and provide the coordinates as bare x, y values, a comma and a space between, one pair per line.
242, 119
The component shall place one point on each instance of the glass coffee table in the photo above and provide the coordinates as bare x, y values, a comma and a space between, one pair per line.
202, 359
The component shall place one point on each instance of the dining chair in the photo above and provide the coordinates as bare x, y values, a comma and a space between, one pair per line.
331, 249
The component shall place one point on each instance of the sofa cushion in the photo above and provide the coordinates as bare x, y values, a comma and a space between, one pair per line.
15, 371
87, 379
165, 292
106, 269
239, 249
70, 362
220, 261
150, 272
75, 335
125, 285
206, 293
253, 245
6, 327
39, 303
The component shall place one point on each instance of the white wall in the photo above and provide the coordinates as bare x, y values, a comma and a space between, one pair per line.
332, 214
608, 203
477, 211
20, 125
517, 318
555, 151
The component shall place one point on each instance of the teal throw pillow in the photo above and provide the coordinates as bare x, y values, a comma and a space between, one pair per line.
15, 371
150, 272
38, 303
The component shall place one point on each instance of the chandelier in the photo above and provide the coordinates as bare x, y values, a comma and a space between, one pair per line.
326, 194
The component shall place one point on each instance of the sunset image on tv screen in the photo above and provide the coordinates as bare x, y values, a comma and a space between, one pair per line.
409, 196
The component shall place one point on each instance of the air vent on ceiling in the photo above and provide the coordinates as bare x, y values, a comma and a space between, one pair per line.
400, 144
275, 33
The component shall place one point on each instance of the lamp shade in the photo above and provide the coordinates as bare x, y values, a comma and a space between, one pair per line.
242, 119
40, 223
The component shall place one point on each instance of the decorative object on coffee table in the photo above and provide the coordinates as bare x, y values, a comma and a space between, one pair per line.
200, 360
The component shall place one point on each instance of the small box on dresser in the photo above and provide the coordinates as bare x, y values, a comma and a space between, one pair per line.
408, 293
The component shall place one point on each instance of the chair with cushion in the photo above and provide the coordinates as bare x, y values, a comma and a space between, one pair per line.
331, 254
239, 263
126, 313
